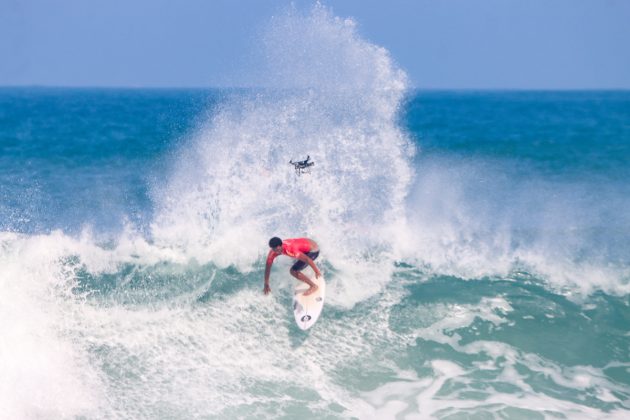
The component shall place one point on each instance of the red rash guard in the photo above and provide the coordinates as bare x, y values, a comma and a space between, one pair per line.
291, 247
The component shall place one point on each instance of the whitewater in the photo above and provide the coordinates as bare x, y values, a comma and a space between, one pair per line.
475, 244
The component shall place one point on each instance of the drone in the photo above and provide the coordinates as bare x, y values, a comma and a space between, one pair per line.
302, 166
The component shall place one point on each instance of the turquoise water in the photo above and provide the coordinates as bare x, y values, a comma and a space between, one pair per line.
475, 246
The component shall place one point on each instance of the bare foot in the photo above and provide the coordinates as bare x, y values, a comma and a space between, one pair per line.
311, 290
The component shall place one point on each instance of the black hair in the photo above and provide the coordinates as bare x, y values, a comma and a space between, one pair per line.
274, 242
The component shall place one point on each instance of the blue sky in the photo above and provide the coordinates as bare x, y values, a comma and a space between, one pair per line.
461, 44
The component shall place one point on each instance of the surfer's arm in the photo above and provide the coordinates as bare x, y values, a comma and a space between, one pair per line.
270, 257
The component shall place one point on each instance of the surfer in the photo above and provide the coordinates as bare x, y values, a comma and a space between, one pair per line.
304, 250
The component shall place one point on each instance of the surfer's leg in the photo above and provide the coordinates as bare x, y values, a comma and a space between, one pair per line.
302, 277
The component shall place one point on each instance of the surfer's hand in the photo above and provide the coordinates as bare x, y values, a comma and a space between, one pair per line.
318, 274
267, 289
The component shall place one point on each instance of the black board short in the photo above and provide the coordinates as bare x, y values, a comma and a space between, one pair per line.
300, 265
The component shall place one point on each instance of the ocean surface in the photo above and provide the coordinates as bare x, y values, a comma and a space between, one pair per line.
476, 245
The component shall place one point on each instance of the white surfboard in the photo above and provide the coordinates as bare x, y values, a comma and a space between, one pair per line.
306, 309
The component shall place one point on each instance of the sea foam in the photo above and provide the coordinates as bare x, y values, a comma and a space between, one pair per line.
330, 95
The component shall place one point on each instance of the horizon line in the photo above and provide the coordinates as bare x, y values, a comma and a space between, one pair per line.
412, 88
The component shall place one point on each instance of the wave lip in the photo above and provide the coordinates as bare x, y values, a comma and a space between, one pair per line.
330, 95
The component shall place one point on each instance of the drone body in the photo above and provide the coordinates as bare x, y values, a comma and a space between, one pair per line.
302, 166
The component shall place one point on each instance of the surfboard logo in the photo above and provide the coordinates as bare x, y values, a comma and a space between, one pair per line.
305, 318
319, 299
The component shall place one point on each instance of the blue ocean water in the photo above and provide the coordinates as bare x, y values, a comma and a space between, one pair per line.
475, 246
